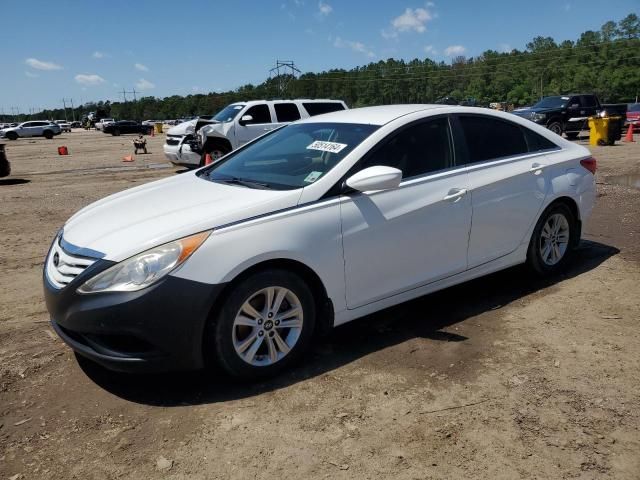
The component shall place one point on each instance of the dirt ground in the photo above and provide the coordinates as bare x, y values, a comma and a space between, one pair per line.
504, 377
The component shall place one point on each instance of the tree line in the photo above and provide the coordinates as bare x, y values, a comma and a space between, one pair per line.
604, 62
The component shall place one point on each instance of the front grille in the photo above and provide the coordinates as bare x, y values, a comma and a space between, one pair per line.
62, 267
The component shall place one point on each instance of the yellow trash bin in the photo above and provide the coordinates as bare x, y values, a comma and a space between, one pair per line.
598, 130
158, 126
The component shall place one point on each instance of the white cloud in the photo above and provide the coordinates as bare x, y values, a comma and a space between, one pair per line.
143, 84
97, 54
358, 47
412, 20
141, 67
454, 50
324, 8
31, 74
89, 79
40, 65
430, 50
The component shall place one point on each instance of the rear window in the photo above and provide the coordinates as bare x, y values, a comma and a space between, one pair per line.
318, 108
287, 112
489, 138
536, 142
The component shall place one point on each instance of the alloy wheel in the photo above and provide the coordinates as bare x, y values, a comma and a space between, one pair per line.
554, 239
267, 326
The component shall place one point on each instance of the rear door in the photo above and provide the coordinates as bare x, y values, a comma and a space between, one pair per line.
396, 240
260, 123
508, 184
286, 112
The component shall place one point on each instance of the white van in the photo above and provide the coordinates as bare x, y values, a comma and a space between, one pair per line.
236, 124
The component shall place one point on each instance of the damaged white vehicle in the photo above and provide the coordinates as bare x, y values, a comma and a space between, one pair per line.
188, 143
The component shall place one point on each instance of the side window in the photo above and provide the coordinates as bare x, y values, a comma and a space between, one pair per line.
418, 149
536, 142
575, 101
588, 101
260, 114
318, 108
287, 112
489, 138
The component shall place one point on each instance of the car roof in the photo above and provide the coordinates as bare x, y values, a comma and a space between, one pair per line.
378, 115
277, 100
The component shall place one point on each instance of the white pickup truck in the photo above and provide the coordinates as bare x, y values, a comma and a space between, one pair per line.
188, 143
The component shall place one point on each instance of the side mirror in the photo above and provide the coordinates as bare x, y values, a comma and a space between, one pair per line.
375, 178
245, 119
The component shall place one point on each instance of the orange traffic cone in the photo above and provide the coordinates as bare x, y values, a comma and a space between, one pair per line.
128, 158
629, 136
207, 159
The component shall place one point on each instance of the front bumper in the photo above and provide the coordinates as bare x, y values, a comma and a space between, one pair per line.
159, 328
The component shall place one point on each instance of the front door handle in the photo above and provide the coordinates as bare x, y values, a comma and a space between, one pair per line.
455, 194
537, 168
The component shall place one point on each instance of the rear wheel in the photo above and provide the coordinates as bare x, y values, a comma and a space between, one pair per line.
48, 134
115, 132
264, 325
553, 239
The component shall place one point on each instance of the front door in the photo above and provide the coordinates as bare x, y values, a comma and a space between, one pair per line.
400, 239
260, 124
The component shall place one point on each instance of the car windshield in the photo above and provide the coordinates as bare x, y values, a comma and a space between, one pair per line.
228, 113
552, 102
292, 157
633, 107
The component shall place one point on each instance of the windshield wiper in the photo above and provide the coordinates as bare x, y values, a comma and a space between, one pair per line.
242, 181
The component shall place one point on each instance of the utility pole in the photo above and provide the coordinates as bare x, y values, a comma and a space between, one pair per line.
288, 68
73, 112
64, 105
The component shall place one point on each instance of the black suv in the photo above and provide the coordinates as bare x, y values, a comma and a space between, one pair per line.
563, 113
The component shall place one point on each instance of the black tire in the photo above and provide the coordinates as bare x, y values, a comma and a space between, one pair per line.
535, 258
216, 150
116, 132
12, 135
48, 134
571, 135
555, 127
218, 344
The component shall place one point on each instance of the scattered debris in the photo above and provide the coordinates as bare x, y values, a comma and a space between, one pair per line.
17, 424
163, 464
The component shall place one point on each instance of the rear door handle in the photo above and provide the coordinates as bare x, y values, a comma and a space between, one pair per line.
537, 168
455, 194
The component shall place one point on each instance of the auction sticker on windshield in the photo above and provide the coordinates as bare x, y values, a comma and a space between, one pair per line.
331, 147
312, 177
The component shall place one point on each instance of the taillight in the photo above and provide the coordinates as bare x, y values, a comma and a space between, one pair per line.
590, 164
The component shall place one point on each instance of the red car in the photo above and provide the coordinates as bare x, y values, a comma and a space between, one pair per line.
633, 115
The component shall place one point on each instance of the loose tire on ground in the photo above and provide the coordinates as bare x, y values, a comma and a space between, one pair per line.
244, 314
556, 230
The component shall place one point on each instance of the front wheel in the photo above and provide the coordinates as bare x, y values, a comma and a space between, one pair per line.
215, 151
12, 136
555, 127
552, 241
264, 325
115, 132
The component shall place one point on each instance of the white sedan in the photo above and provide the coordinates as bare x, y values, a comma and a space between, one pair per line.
310, 226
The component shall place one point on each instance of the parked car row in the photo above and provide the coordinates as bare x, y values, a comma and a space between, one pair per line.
188, 143
126, 126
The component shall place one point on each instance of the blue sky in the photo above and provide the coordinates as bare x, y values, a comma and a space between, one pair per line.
90, 50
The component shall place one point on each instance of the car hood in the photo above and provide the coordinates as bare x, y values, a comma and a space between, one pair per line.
183, 128
143, 217
526, 112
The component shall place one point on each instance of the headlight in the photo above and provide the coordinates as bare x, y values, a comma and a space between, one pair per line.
537, 117
146, 268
